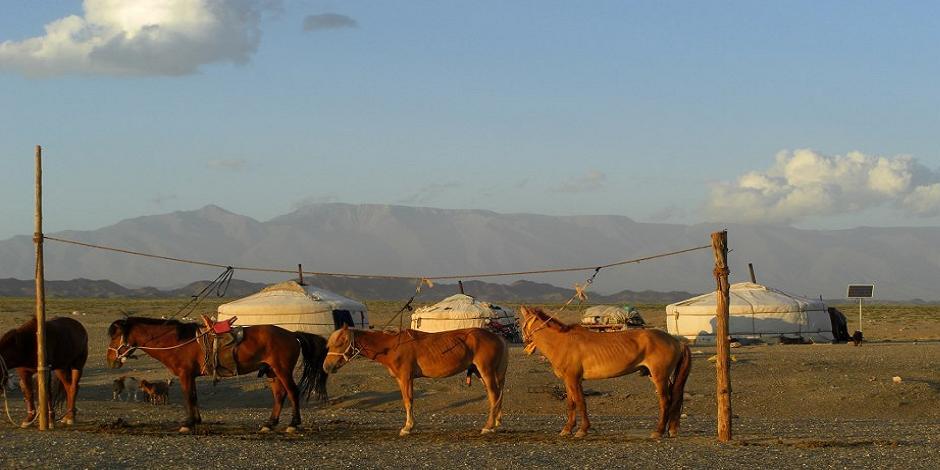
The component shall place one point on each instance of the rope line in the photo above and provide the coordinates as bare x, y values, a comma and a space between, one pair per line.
380, 276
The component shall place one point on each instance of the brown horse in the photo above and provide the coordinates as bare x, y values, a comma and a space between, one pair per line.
577, 353
66, 353
272, 350
411, 354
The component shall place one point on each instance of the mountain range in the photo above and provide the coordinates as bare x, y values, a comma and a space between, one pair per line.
903, 263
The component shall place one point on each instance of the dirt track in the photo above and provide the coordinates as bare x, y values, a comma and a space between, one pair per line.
810, 405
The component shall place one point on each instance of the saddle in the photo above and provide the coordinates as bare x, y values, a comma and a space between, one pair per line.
219, 342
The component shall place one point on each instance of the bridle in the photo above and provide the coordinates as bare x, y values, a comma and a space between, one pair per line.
352, 348
119, 356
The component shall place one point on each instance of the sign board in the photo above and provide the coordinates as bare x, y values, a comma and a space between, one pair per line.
860, 291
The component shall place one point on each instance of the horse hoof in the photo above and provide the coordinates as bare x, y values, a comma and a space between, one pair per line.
487, 431
580, 434
564, 432
404, 432
656, 435
673, 433
185, 429
291, 429
264, 429
25, 424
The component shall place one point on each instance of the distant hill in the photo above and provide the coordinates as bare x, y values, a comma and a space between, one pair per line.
903, 262
363, 289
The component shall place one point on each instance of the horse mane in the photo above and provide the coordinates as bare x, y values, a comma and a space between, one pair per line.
183, 330
549, 320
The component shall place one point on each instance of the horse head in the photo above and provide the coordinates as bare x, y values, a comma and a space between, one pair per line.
118, 348
342, 348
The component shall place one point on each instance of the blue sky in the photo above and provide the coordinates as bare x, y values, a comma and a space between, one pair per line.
653, 110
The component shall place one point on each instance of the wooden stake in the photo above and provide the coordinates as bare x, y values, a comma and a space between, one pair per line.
300, 274
723, 364
40, 303
750, 267
460, 285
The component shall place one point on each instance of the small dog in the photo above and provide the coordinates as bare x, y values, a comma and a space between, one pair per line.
157, 391
119, 388
857, 338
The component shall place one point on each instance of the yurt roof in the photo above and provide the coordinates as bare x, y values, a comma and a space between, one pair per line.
614, 312
292, 296
462, 305
748, 297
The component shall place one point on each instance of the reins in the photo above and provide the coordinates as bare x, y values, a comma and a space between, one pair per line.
130, 349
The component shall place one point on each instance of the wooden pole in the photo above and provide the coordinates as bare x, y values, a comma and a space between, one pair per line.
750, 267
460, 285
40, 303
723, 364
300, 274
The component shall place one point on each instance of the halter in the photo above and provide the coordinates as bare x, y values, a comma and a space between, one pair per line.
119, 356
351, 348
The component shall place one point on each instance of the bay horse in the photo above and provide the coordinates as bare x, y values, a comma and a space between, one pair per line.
271, 350
411, 354
577, 353
66, 354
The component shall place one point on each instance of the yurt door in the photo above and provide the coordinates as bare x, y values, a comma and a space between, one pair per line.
342, 317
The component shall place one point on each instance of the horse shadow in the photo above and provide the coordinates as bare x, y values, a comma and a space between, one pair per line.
371, 399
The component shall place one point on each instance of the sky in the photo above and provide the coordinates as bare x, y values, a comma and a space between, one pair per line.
814, 114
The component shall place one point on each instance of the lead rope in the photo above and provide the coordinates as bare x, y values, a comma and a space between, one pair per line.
579, 293
6, 405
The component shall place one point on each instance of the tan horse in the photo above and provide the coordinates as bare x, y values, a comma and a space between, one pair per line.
577, 353
412, 354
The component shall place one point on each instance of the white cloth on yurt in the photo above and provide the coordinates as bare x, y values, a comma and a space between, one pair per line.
296, 308
755, 311
611, 315
460, 311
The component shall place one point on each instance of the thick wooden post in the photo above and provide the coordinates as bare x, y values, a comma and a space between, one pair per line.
750, 267
40, 304
723, 364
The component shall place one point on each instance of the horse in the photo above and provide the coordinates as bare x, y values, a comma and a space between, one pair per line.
576, 354
66, 354
271, 350
411, 354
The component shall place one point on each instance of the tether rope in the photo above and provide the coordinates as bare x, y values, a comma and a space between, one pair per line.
380, 276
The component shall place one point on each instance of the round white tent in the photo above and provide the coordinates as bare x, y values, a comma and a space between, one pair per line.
462, 311
297, 308
755, 311
607, 316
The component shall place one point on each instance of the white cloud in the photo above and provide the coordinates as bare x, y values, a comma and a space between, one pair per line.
592, 181
140, 37
805, 183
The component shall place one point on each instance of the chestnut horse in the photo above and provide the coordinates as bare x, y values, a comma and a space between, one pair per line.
577, 353
411, 354
271, 349
66, 353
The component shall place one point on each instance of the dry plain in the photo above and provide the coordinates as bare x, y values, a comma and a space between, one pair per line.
795, 406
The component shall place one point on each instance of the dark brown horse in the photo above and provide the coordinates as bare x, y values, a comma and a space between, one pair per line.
577, 353
66, 353
272, 350
411, 354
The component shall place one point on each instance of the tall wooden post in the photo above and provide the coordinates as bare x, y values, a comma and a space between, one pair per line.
40, 303
750, 267
723, 364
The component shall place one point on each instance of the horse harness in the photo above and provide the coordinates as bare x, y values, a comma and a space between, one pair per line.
352, 348
219, 346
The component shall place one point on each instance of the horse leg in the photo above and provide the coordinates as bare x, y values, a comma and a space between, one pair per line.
661, 381
188, 387
492, 394
66, 382
26, 384
581, 406
570, 404
286, 377
279, 394
406, 384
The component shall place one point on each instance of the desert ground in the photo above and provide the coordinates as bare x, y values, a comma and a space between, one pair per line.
820, 405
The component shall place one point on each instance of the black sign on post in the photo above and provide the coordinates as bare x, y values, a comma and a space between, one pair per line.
861, 291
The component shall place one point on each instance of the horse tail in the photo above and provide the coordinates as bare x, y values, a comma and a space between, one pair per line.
313, 378
679, 377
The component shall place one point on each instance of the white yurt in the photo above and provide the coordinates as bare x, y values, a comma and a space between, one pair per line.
297, 307
600, 316
755, 311
462, 311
